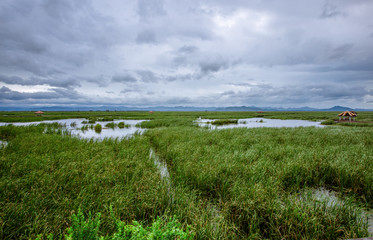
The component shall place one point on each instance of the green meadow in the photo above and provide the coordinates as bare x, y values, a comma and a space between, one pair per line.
258, 183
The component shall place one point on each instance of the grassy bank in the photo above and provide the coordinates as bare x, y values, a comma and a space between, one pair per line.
224, 184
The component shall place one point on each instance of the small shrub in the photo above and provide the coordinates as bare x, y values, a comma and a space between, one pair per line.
122, 125
220, 122
88, 229
92, 120
110, 125
98, 128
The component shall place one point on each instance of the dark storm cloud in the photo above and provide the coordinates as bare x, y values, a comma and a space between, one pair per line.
302, 51
55, 93
32, 81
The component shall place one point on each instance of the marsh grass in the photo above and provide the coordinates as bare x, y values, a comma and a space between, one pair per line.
44, 178
253, 174
226, 184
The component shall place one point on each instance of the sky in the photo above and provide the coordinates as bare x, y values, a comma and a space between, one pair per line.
211, 53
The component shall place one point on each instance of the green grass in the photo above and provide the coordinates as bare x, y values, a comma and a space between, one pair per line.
254, 176
44, 178
224, 184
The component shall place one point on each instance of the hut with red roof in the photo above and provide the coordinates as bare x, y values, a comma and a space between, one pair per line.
39, 113
349, 114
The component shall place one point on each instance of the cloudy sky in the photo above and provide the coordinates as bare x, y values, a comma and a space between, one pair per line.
279, 53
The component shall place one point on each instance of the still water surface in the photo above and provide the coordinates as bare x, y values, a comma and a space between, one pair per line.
75, 125
260, 122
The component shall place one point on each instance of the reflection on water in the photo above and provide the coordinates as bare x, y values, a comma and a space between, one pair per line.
77, 128
260, 122
161, 166
3, 144
331, 199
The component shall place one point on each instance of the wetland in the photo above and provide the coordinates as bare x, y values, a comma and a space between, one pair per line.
290, 182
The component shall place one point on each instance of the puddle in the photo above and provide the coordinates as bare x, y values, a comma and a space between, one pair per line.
3, 144
165, 175
162, 166
259, 122
216, 216
369, 215
75, 127
331, 199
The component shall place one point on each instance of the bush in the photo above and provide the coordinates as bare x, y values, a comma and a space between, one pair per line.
98, 127
110, 125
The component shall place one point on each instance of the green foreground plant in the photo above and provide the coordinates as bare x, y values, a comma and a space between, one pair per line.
87, 228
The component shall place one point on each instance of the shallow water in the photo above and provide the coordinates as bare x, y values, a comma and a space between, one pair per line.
3, 144
260, 122
161, 166
75, 125
331, 199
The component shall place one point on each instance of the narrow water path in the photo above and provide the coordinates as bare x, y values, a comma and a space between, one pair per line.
164, 173
214, 210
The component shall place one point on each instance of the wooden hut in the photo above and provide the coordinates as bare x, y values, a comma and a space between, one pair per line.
349, 114
39, 113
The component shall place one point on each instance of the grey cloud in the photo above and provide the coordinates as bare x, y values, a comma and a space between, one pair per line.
340, 51
300, 94
213, 66
306, 47
147, 76
124, 78
330, 11
32, 81
188, 49
100, 80
146, 36
47, 37
55, 93
124, 91
150, 8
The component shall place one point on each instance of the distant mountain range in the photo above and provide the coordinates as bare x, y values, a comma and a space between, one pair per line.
178, 108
